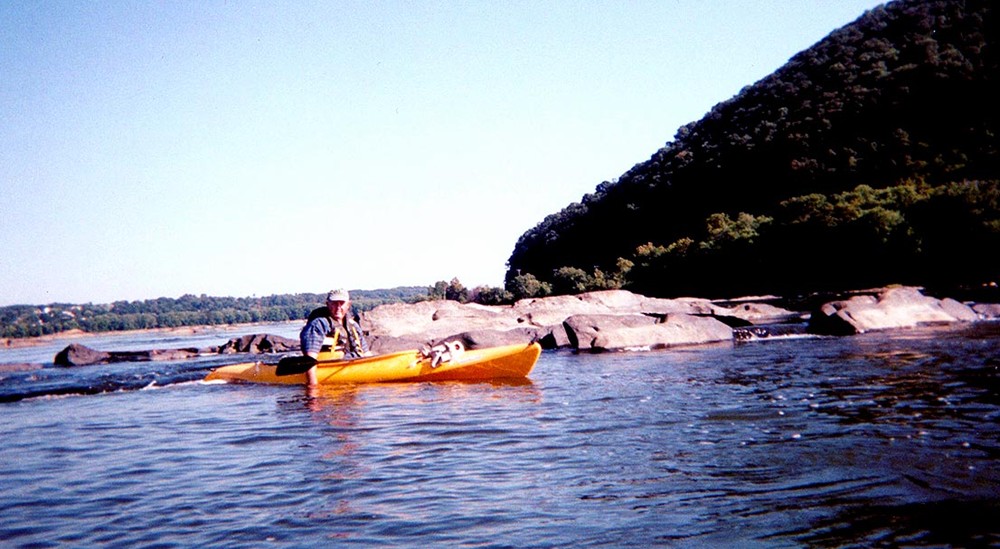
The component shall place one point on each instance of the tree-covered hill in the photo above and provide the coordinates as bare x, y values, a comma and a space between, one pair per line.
870, 158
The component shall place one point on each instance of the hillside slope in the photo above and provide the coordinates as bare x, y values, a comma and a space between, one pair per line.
902, 95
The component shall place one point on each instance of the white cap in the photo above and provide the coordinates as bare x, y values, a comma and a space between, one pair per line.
338, 295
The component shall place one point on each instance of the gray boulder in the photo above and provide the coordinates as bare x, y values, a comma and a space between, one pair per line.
756, 314
582, 330
259, 343
383, 344
552, 311
480, 339
80, 355
987, 311
677, 329
902, 307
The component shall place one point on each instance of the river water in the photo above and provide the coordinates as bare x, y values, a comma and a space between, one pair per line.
883, 439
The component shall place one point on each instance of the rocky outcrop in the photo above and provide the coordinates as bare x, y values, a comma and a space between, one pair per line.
901, 307
618, 319
569, 320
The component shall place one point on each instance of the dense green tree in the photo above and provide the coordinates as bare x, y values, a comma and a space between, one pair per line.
571, 280
526, 285
438, 291
456, 291
489, 295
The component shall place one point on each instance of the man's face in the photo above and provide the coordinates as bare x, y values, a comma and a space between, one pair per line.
338, 309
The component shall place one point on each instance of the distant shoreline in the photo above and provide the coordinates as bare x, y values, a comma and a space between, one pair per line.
35, 341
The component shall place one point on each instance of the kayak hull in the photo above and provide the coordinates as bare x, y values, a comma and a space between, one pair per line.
506, 362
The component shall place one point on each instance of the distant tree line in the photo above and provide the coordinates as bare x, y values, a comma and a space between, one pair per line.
17, 321
875, 151
188, 310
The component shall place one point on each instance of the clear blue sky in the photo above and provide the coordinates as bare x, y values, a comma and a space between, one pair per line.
243, 148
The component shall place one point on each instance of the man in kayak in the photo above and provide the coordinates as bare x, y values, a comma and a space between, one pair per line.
334, 322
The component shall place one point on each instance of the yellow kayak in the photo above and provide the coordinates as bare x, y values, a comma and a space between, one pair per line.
440, 364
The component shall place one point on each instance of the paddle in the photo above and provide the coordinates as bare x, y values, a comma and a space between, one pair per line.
291, 365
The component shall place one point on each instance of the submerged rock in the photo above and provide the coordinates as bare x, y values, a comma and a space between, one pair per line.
81, 355
8, 367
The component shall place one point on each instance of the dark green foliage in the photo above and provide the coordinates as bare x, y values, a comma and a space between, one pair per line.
904, 93
523, 286
438, 291
570, 280
911, 233
187, 310
452, 291
456, 291
488, 295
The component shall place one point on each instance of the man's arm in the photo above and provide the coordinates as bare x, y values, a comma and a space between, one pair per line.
311, 341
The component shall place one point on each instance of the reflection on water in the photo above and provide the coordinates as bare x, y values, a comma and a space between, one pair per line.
948, 523
874, 440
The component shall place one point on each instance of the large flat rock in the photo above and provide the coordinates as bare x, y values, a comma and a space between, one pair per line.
677, 329
901, 307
